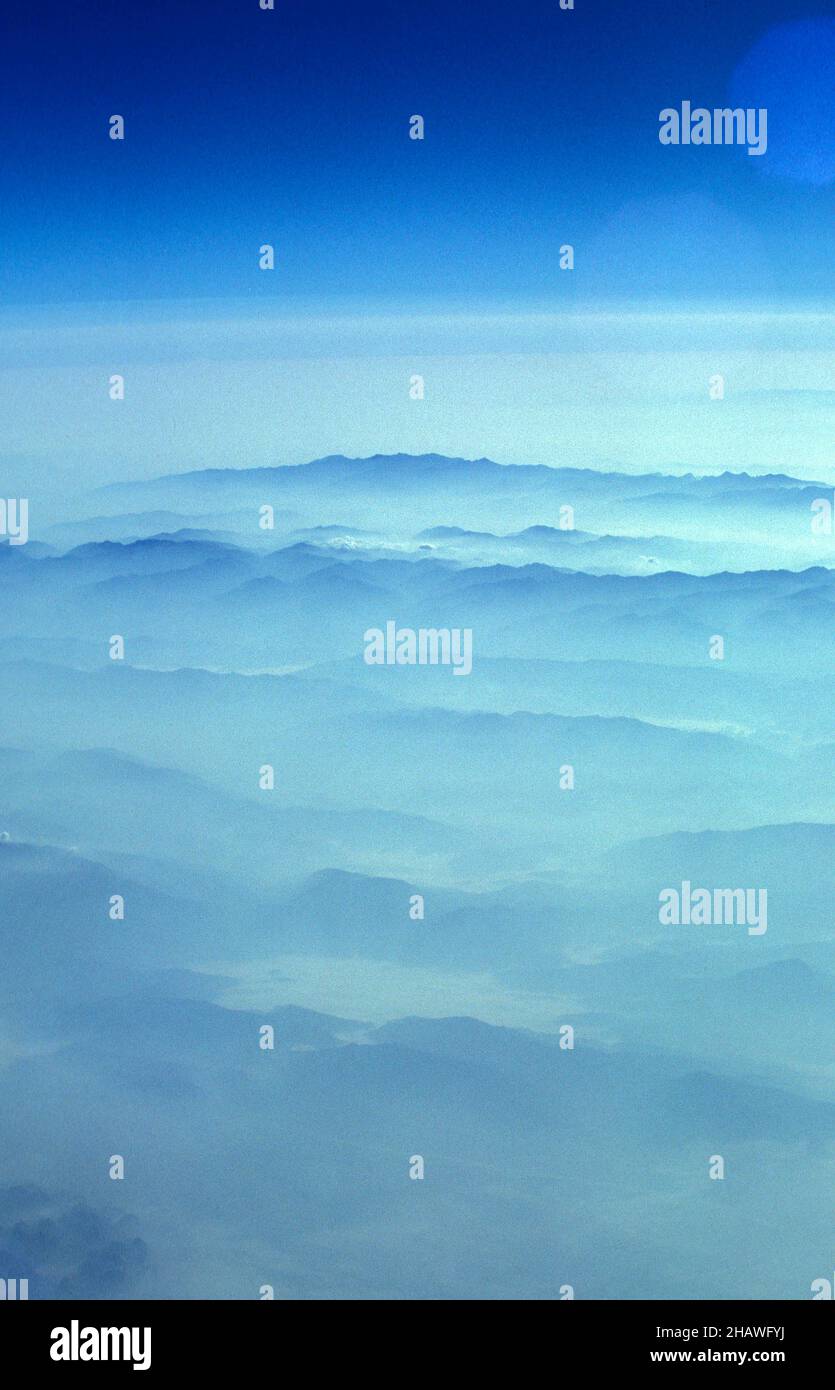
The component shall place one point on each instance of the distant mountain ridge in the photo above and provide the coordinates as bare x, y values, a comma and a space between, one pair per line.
440, 463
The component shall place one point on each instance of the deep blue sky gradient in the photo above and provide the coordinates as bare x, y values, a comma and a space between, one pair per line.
291, 126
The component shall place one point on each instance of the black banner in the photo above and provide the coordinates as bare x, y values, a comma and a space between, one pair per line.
225, 1338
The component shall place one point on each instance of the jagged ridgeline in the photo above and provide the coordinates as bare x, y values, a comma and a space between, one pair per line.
401, 925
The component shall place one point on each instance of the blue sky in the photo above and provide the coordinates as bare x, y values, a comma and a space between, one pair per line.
397, 257
290, 126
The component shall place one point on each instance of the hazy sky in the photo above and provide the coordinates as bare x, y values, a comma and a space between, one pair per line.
228, 384
394, 256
